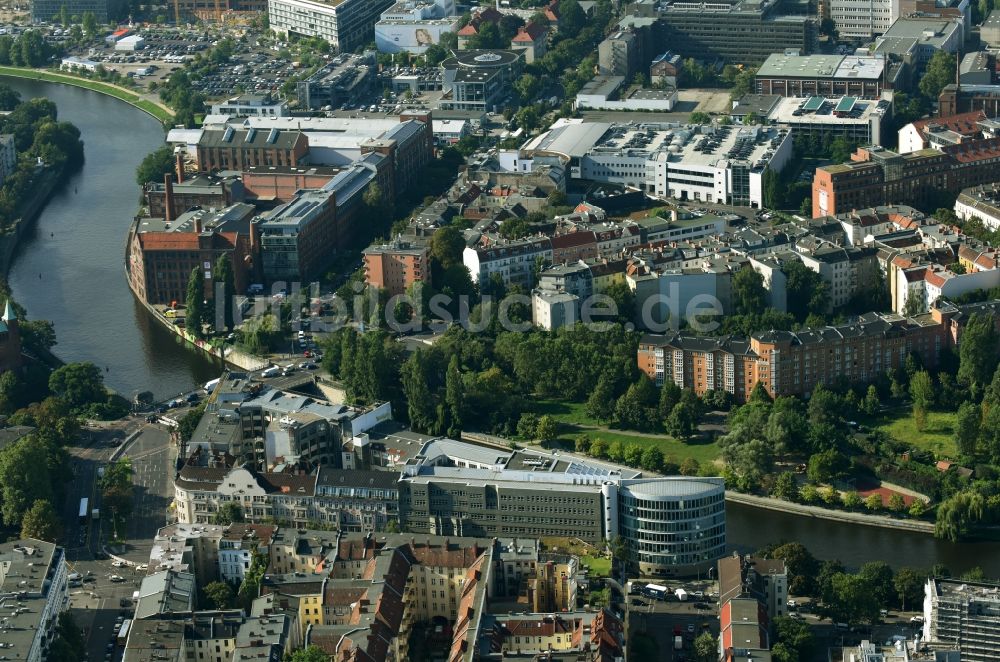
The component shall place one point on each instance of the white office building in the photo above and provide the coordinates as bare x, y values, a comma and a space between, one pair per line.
415, 26
723, 165
863, 19
346, 24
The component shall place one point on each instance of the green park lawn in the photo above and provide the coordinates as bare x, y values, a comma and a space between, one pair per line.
569, 413
672, 449
599, 565
937, 436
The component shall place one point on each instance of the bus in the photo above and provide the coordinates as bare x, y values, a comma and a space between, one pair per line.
123, 632
655, 591
84, 510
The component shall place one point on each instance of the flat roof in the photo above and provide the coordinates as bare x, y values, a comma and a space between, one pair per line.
782, 65
845, 105
927, 30
860, 111
569, 138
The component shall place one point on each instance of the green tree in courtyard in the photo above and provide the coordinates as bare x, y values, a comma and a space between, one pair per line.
194, 313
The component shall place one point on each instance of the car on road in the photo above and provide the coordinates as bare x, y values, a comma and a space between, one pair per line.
73, 576
142, 566
116, 578
917, 620
119, 564
691, 627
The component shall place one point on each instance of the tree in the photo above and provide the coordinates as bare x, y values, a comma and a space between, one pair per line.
229, 513
90, 25
310, 654
9, 97
852, 500
220, 595
224, 274
795, 636
896, 503
78, 384
24, 479
582, 444
652, 459
194, 313
785, 487
527, 87
939, 72
873, 502
967, 425
826, 466
871, 404
879, 578
682, 421
977, 352
748, 292
807, 292
633, 455
773, 195
690, 467
705, 648
454, 398
601, 403
187, 425
527, 118
801, 565
847, 600
699, 117
909, 586
547, 429
527, 426
41, 522
922, 394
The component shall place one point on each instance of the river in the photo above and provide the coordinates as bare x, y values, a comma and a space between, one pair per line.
70, 269
78, 250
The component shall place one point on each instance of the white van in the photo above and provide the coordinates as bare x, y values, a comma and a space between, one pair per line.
273, 371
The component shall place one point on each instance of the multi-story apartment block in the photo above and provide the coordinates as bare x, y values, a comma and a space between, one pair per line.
351, 500
512, 261
963, 615
33, 573
397, 265
878, 176
793, 363
982, 202
209, 636
235, 149
346, 24
765, 580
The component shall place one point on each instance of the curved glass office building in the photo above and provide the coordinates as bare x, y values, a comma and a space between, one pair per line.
672, 527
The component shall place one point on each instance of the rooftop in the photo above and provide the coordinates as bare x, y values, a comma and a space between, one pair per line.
783, 65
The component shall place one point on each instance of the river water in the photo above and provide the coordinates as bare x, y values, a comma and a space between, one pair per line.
70, 271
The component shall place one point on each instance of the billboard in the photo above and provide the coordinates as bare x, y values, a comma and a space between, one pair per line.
415, 37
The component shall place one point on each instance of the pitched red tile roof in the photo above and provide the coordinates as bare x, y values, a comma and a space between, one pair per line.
963, 123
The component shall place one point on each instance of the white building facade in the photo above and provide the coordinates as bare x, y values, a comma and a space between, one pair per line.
863, 19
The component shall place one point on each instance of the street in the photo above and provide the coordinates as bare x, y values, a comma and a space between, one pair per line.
95, 600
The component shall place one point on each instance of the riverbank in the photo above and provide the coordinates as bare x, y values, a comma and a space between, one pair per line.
768, 503
25, 216
162, 113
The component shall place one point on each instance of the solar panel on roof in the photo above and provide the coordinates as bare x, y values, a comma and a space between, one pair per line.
813, 103
845, 105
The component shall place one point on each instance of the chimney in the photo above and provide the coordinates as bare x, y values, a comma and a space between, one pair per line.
197, 223
168, 197
179, 167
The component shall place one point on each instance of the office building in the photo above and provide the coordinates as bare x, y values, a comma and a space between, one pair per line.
862, 19
964, 616
397, 265
412, 27
251, 105
621, 54
740, 32
346, 80
794, 362
47, 11
216, 10
479, 80
920, 37
33, 576
273, 184
170, 199
671, 526
877, 176
793, 75
712, 164
862, 122
346, 24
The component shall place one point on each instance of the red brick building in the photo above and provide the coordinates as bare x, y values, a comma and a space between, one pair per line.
281, 183
877, 177
238, 149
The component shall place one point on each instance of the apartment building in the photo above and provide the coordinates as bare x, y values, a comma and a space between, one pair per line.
964, 616
793, 363
351, 500
209, 636
765, 580
940, 131
511, 260
982, 202
35, 572
251, 105
397, 265
576, 635
346, 24
863, 19
877, 176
